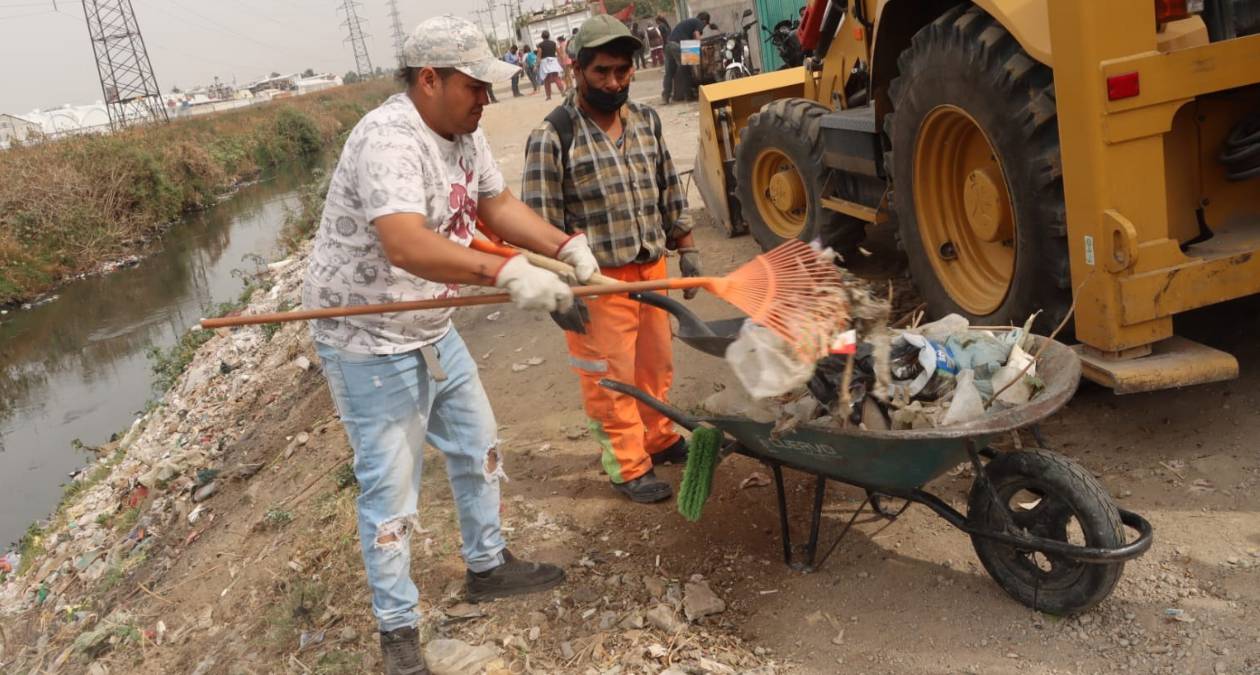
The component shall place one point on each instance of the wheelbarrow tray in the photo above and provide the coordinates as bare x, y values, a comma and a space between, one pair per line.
894, 460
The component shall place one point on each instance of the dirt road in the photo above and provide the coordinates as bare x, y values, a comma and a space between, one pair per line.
273, 555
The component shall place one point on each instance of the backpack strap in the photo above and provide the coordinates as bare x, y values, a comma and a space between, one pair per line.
661, 181
563, 124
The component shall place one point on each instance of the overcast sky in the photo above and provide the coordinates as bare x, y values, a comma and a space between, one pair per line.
46, 57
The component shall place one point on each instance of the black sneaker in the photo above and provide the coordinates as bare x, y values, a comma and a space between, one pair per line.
674, 454
646, 489
513, 577
400, 650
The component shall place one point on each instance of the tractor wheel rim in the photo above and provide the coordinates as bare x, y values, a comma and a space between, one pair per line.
780, 193
963, 208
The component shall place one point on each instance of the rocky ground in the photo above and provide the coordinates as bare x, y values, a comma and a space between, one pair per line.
218, 536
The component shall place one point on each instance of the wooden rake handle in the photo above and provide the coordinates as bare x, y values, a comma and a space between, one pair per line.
536, 259
614, 288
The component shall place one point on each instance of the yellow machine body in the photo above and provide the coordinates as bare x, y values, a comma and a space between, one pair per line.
1140, 174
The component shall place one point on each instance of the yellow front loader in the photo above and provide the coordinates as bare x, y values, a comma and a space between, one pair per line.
1025, 155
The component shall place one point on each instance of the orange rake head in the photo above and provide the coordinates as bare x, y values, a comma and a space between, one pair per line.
795, 291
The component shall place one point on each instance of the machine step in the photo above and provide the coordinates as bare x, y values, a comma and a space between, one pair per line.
1175, 362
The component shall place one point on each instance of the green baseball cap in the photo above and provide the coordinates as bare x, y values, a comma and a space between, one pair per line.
601, 29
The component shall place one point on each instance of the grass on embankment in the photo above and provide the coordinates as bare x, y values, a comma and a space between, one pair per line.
67, 206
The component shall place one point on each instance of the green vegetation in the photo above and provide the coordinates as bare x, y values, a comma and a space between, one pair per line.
68, 205
344, 476
168, 364
301, 605
300, 224
277, 518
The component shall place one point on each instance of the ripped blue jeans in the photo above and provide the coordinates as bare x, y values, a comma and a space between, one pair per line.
390, 405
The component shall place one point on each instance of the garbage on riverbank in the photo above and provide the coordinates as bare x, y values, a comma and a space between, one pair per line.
161, 464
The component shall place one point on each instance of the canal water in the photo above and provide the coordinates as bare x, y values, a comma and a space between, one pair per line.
78, 367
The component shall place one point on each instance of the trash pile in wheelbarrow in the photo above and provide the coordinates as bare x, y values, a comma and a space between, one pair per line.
878, 378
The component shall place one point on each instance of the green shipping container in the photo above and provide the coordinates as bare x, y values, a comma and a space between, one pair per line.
770, 12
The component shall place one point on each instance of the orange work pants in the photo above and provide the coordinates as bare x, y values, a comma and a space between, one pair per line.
626, 341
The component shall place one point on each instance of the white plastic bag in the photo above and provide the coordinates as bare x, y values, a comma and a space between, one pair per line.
1022, 390
967, 404
944, 327
765, 364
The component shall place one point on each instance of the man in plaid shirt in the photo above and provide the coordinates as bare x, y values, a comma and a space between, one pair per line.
616, 182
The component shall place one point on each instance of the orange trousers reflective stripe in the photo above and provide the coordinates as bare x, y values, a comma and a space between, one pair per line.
626, 341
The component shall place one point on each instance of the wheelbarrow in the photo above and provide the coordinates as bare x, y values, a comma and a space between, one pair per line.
1043, 527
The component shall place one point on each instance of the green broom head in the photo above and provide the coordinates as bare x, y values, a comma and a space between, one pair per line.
697, 482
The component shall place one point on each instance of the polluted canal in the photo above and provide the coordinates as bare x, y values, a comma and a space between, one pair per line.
78, 368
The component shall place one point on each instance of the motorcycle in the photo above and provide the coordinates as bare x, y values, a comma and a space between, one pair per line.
784, 39
736, 55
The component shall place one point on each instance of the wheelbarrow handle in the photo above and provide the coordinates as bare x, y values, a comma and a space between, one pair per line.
683, 419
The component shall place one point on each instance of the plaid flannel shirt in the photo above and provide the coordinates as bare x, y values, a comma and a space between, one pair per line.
625, 196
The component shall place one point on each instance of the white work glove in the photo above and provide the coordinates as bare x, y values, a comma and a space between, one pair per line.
532, 287
577, 252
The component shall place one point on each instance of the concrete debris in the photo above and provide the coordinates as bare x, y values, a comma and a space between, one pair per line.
654, 585
755, 479
205, 491
662, 617
302, 363
700, 601
456, 657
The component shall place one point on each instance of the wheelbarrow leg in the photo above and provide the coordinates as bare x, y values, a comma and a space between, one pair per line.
820, 490
786, 534
811, 547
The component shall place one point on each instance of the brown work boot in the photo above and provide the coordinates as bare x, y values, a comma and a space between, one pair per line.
513, 577
400, 649
646, 489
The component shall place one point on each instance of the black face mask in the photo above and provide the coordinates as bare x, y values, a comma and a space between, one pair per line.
605, 102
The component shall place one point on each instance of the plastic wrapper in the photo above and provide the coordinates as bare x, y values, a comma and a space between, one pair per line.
765, 364
943, 328
921, 369
967, 404
1024, 381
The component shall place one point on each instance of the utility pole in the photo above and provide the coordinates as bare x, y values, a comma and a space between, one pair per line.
397, 30
489, 10
507, 13
362, 62
127, 81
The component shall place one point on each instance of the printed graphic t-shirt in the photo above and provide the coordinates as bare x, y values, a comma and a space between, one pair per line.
393, 163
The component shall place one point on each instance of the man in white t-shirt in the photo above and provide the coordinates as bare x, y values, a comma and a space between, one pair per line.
413, 177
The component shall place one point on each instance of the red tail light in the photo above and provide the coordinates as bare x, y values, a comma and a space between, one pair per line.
1123, 86
1173, 10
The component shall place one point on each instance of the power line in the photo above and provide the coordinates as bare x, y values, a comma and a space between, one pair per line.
362, 62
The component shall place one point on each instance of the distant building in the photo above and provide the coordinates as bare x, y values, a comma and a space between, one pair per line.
17, 129
71, 119
308, 85
559, 21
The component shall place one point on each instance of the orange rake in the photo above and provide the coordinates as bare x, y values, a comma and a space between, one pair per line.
793, 290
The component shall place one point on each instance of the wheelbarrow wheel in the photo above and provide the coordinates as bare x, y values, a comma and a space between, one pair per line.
1046, 495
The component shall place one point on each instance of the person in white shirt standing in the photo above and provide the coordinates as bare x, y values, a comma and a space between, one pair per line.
413, 177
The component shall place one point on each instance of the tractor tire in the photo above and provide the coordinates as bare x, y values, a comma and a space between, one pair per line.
780, 179
977, 174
